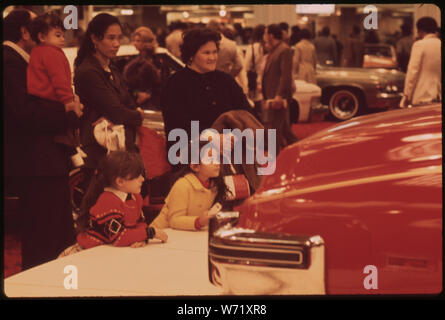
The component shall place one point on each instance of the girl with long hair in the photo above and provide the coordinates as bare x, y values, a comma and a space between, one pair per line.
197, 188
111, 211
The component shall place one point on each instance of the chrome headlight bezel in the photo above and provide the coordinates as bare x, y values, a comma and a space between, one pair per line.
388, 88
244, 261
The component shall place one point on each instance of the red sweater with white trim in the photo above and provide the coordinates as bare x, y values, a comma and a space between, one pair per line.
115, 222
49, 74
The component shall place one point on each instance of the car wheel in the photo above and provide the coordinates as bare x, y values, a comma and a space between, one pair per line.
343, 104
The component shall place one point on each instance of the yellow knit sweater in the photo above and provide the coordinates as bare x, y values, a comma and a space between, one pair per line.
187, 200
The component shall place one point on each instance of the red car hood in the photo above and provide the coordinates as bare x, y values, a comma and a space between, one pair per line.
378, 146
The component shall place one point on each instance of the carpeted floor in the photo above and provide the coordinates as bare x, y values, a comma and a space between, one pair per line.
12, 255
12, 251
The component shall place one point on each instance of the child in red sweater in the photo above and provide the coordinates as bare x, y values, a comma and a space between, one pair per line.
111, 210
49, 74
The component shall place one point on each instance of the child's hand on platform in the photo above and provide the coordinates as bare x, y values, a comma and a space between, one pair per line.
139, 244
204, 219
160, 234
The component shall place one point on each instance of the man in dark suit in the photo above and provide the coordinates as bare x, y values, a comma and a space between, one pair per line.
17, 46
355, 49
37, 164
277, 86
326, 48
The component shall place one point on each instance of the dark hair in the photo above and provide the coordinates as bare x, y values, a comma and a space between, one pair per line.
177, 25
215, 25
284, 26
326, 31
142, 32
217, 182
295, 35
295, 29
44, 23
194, 39
258, 32
123, 164
372, 37
141, 75
356, 29
275, 30
427, 24
97, 27
228, 33
13, 22
305, 34
238, 27
406, 29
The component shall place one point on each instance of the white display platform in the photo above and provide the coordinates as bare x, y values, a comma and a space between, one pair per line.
175, 268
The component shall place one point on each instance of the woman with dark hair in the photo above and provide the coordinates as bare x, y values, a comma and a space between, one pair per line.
101, 88
199, 92
305, 58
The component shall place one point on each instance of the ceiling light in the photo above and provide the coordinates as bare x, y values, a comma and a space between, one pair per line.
127, 12
315, 8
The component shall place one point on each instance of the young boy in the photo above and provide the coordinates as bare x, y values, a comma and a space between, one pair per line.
49, 73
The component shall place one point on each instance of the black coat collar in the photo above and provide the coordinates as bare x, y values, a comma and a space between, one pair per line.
112, 77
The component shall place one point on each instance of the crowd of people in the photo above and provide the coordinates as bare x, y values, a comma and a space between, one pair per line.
47, 124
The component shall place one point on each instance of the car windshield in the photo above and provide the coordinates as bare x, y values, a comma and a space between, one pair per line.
170, 63
380, 51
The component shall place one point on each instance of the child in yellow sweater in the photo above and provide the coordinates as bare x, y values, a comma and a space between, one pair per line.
198, 188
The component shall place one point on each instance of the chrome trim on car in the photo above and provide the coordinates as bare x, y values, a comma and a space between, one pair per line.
222, 218
385, 95
244, 261
227, 215
153, 119
239, 246
318, 108
265, 249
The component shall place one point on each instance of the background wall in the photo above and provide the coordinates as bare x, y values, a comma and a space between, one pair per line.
422, 10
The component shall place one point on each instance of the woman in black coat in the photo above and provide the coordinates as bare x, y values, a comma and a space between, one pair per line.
101, 88
199, 92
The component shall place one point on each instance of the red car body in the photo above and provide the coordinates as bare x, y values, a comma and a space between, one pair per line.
371, 188
380, 56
